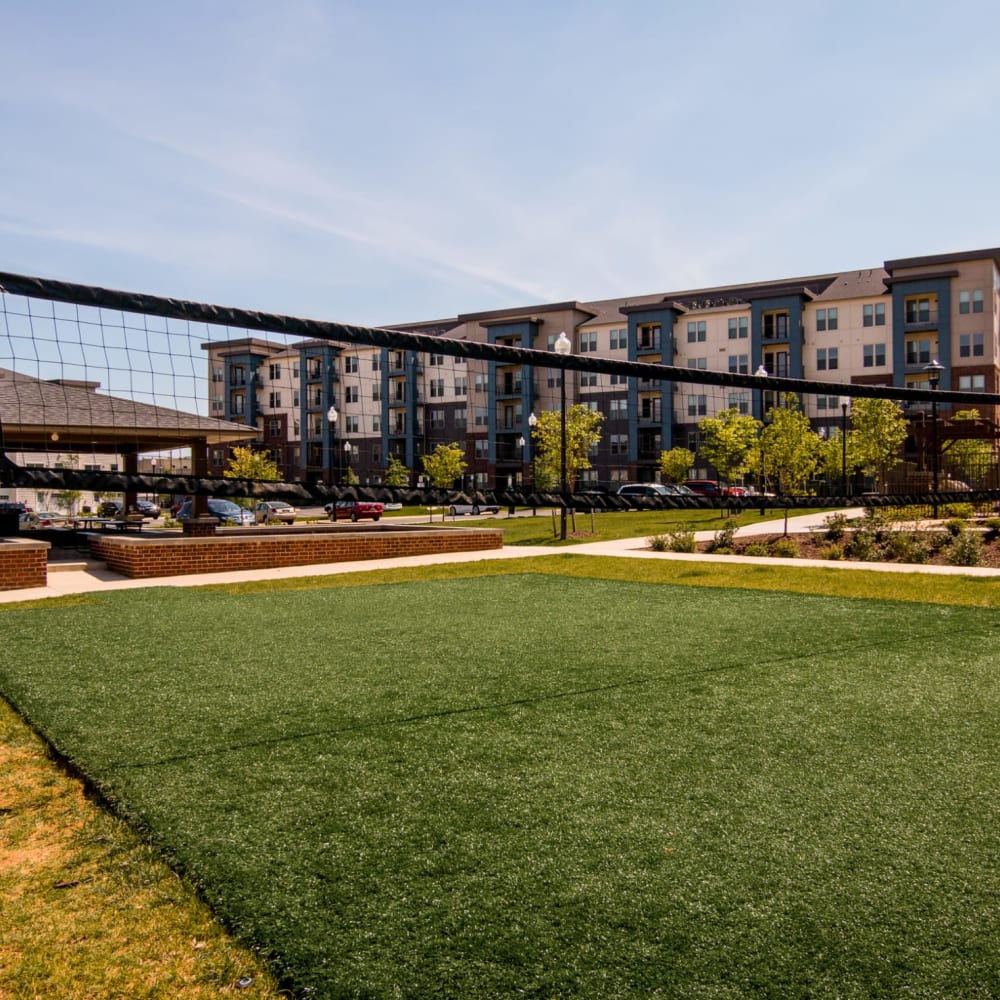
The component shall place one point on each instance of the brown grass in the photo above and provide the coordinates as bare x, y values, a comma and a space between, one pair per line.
87, 910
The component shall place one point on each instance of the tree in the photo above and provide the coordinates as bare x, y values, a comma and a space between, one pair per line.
878, 430
396, 475
444, 465
245, 463
728, 442
68, 499
675, 464
583, 432
789, 446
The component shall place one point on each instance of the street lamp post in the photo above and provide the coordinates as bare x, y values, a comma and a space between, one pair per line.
532, 422
843, 450
347, 454
934, 370
331, 416
563, 347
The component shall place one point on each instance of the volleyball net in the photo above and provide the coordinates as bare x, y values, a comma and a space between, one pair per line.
116, 392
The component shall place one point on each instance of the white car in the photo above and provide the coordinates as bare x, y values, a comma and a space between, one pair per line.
274, 510
473, 508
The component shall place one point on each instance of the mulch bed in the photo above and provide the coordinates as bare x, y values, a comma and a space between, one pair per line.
817, 546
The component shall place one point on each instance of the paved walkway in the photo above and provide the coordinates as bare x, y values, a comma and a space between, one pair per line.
88, 576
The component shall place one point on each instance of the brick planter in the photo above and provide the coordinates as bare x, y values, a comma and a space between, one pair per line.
141, 556
23, 563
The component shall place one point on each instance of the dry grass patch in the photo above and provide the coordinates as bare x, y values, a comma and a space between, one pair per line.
87, 910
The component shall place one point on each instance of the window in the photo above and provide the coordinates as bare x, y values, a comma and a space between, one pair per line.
376, 427
274, 428
274, 370
874, 355
317, 427
617, 409
873, 314
918, 310
376, 363
480, 416
437, 387
217, 374
217, 402
274, 400
352, 394
376, 391
317, 397
826, 359
554, 378
588, 343
970, 302
296, 428
237, 375
739, 364
480, 383
649, 337
351, 365
696, 331
437, 420
588, 378
352, 425
482, 448
619, 444
827, 402
619, 340
651, 408
920, 350
971, 345
461, 417
826, 319
740, 401
775, 326
236, 403
700, 363
436, 359
972, 383
461, 385
738, 328
697, 406
295, 369
296, 397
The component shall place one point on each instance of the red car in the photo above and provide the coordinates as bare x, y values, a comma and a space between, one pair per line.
354, 509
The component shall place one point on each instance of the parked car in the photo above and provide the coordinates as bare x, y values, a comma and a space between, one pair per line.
147, 508
274, 510
706, 487
225, 510
41, 519
354, 509
650, 490
473, 508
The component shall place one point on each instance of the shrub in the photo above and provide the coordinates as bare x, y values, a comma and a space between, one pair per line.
785, 548
992, 525
962, 511
831, 552
954, 527
908, 547
681, 541
724, 541
862, 545
757, 549
836, 527
658, 543
965, 550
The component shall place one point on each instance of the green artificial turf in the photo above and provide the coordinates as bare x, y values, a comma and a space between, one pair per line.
544, 786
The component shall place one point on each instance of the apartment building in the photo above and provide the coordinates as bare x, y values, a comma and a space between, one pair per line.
321, 407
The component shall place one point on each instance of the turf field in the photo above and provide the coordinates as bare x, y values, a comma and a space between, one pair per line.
545, 785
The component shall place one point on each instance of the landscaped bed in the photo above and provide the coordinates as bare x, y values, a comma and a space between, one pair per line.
535, 784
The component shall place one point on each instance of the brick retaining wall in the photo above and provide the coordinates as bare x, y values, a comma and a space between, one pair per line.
23, 563
140, 556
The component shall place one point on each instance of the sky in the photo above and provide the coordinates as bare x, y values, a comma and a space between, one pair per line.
383, 161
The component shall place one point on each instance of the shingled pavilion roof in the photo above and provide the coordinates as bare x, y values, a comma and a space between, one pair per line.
35, 413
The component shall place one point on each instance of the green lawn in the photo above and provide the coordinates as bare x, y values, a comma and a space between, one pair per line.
546, 785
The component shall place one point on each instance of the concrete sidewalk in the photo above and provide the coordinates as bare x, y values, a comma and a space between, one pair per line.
87, 576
